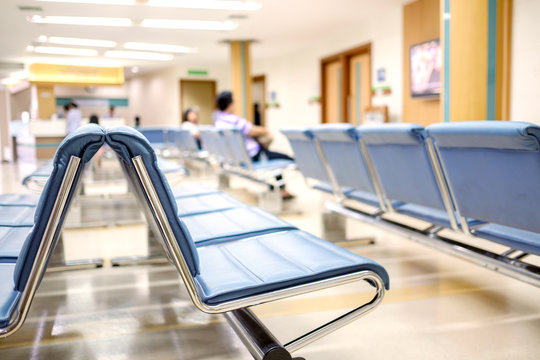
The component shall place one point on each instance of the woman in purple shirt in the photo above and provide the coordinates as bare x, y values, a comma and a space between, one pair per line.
225, 118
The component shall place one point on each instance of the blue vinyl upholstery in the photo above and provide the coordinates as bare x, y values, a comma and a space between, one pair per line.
512, 237
193, 190
493, 168
401, 160
129, 143
185, 141
156, 136
350, 171
271, 262
11, 241
44, 171
305, 153
195, 205
9, 296
19, 199
214, 142
232, 224
21, 215
82, 143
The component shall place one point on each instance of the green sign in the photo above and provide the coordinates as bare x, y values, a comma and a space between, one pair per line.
198, 72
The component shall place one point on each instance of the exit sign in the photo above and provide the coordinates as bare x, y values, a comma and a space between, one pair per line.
198, 72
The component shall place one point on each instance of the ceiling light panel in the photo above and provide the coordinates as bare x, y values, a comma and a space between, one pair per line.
189, 24
63, 51
208, 4
80, 20
101, 2
159, 47
58, 40
138, 55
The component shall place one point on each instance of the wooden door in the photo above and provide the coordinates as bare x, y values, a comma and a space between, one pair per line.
333, 92
359, 87
201, 94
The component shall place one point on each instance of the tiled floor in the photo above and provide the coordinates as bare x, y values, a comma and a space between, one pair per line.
439, 307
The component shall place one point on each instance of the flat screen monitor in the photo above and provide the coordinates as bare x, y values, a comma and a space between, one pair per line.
426, 60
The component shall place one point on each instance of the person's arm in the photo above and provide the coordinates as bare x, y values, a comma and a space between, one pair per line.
258, 131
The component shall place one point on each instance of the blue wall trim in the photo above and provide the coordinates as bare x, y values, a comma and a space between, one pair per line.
492, 59
446, 91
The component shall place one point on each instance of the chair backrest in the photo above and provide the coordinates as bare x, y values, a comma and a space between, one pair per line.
400, 156
237, 147
68, 163
154, 135
341, 148
129, 145
214, 142
493, 169
306, 155
185, 141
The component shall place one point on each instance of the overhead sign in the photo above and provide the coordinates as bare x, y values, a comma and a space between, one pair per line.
75, 75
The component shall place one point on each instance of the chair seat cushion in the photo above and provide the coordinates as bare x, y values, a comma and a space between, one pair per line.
11, 241
12, 215
516, 238
19, 199
362, 196
193, 190
232, 224
168, 166
273, 164
44, 171
195, 205
431, 215
271, 262
9, 297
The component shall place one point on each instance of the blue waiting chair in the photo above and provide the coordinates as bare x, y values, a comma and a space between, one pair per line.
493, 169
21, 273
346, 160
407, 166
231, 276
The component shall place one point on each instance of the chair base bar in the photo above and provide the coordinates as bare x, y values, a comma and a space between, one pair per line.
260, 342
512, 267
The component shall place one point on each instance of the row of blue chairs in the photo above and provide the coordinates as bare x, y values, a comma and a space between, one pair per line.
230, 256
474, 178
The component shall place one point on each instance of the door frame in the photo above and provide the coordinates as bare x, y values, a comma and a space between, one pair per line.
262, 79
344, 58
184, 81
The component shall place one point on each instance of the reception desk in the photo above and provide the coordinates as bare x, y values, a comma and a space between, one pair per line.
45, 135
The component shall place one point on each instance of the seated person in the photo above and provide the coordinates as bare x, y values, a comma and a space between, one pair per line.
190, 121
225, 118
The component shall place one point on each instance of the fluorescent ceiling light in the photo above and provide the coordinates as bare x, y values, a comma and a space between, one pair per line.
80, 20
188, 24
159, 47
102, 2
138, 55
76, 41
63, 51
208, 4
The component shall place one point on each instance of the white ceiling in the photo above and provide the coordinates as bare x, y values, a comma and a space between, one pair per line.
279, 26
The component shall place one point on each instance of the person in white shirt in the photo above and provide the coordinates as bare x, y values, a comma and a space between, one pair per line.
190, 121
73, 118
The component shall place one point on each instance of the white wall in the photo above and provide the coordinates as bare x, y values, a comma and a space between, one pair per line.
296, 77
526, 62
155, 97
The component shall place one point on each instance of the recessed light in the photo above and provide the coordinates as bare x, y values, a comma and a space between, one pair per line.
138, 55
101, 2
208, 4
189, 24
159, 47
63, 51
80, 20
134, 69
77, 41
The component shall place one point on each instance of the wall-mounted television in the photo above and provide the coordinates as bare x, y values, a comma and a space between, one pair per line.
426, 62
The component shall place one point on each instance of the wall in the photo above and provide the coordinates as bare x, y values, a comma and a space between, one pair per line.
20, 102
421, 22
296, 78
155, 97
526, 62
